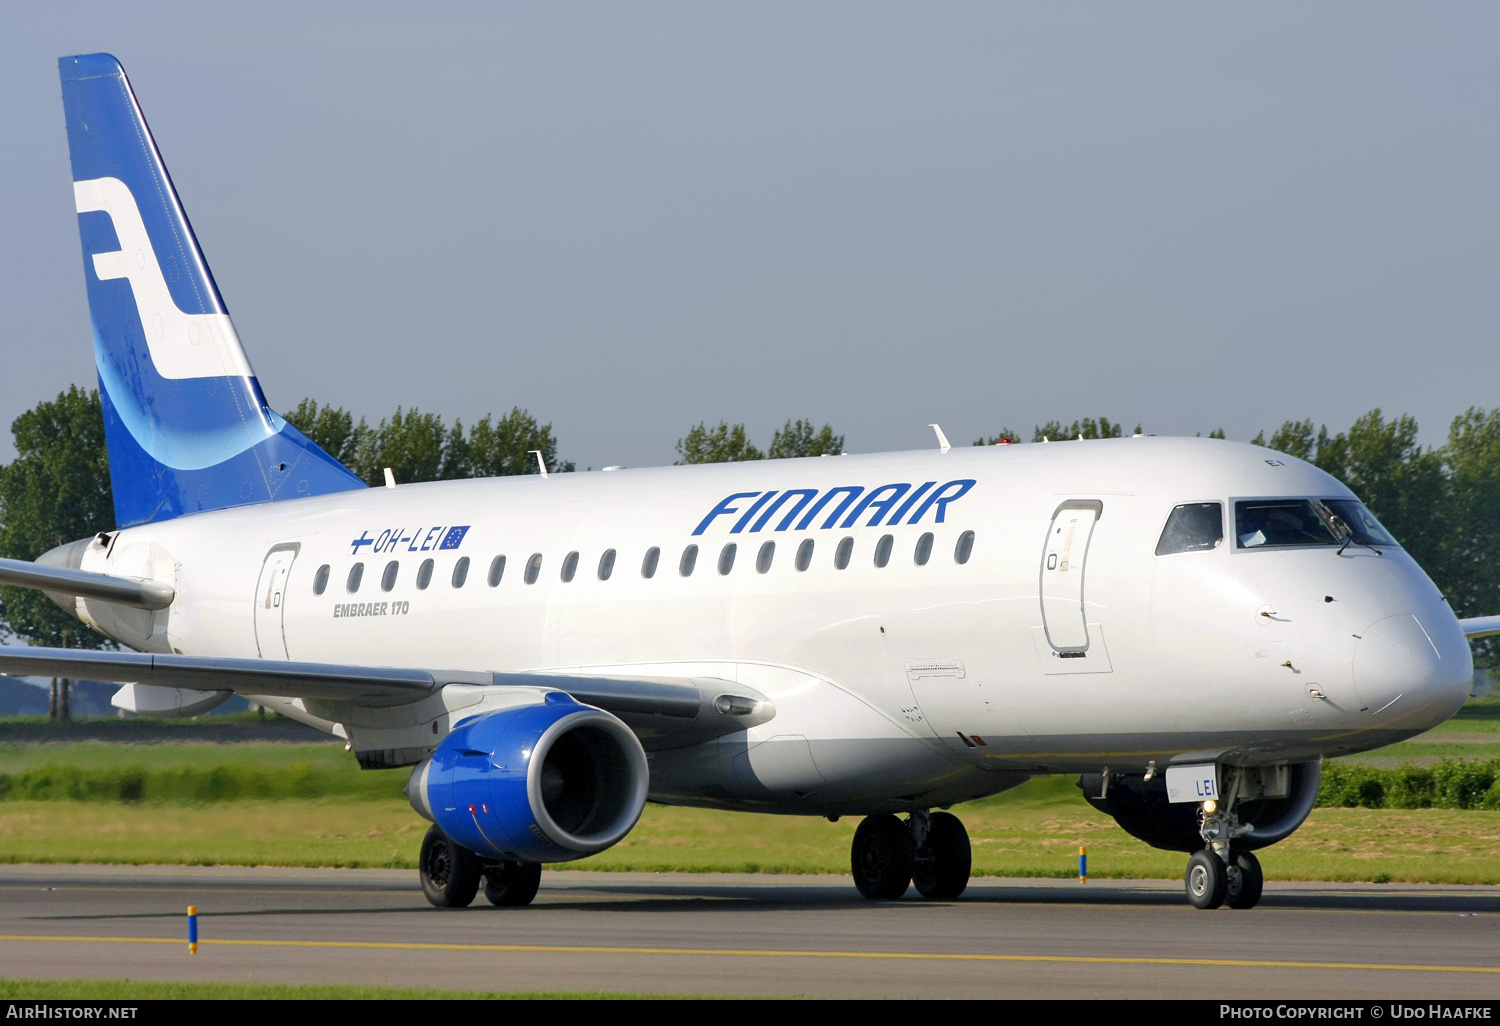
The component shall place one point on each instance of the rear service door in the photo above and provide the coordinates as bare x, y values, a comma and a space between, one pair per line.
270, 602
1063, 559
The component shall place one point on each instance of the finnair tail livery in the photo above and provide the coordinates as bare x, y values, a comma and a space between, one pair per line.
1190, 625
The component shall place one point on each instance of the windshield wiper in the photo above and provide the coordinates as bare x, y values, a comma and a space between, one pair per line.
1341, 529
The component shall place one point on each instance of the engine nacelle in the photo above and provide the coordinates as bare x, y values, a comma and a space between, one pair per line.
550, 782
1141, 807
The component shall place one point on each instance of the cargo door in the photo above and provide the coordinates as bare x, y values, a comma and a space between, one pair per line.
270, 602
1064, 557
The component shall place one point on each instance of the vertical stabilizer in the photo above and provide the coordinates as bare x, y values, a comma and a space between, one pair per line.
187, 425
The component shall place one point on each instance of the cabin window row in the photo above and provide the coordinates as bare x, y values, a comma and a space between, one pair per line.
843, 555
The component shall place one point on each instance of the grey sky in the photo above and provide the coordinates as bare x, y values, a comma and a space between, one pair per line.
629, 218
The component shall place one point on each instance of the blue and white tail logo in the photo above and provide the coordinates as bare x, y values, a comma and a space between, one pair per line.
187, 425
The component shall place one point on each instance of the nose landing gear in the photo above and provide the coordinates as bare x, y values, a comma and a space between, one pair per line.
930, 849
1215, 876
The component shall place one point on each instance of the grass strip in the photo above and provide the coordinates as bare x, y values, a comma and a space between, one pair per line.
153, 990
1033, 831
133, 783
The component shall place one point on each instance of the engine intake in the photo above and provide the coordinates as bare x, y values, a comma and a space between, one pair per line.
550, 782
1141, 807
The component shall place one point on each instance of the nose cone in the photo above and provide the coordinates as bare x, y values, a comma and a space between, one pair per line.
1413, 667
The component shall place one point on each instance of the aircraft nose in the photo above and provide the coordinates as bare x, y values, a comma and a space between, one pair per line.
1413, 664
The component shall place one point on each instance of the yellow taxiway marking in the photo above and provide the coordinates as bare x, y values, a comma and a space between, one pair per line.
938, 956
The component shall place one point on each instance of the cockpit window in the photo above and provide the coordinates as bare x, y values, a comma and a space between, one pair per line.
1259, 523
1192, 527
1367, 530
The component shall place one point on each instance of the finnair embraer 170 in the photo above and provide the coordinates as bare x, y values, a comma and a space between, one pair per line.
1189, 624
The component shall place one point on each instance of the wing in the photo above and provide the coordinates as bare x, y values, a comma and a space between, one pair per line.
1480, 626
663, 711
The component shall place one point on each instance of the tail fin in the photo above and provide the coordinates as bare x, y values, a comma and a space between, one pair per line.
187, 425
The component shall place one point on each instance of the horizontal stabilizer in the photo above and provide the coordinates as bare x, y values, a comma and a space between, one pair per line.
1480, 626
127, 591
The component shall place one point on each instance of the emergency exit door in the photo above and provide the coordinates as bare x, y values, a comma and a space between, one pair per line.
270, 602
1064, 557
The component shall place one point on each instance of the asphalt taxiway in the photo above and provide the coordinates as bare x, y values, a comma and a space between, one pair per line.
752, 935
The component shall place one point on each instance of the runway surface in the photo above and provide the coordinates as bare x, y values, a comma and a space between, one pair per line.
752, 935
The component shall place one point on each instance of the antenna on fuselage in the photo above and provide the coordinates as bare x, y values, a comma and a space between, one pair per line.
540, 462
943, 445
390, 478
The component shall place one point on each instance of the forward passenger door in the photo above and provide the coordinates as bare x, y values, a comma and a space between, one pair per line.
1064, 557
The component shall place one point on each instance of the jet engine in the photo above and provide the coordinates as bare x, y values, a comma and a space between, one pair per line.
1283, 798
550, 782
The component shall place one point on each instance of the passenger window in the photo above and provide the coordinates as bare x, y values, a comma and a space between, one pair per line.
424, 575
964, 547
804, 555
533, 568
497, 571
648, 565
883, 550
570, 566
764, 557
688, 561
842, 554
924, 549
1192, 527
606, 564
726, 558
356, 574
320, 579
461, 571
388, 579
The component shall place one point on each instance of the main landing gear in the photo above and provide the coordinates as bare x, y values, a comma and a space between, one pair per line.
451, 875
1216, 876
930, 849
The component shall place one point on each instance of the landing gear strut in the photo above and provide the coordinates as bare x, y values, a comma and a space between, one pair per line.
1216, 876
930, 849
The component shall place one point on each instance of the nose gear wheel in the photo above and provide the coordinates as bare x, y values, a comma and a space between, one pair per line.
1206, 879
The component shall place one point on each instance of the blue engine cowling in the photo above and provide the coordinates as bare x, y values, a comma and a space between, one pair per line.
549, 782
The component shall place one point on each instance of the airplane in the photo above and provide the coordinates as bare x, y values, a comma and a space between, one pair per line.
1190, 625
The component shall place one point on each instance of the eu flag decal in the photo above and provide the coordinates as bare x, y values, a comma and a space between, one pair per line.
454, 538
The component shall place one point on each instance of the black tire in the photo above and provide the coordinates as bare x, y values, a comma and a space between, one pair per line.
942, 867
449, 871
1246, 881
881, 857
1206, 880
512, 884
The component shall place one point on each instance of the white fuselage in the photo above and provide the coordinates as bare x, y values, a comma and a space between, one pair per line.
894, 686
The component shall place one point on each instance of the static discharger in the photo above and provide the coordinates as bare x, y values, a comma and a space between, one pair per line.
1083, 864
192, 929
